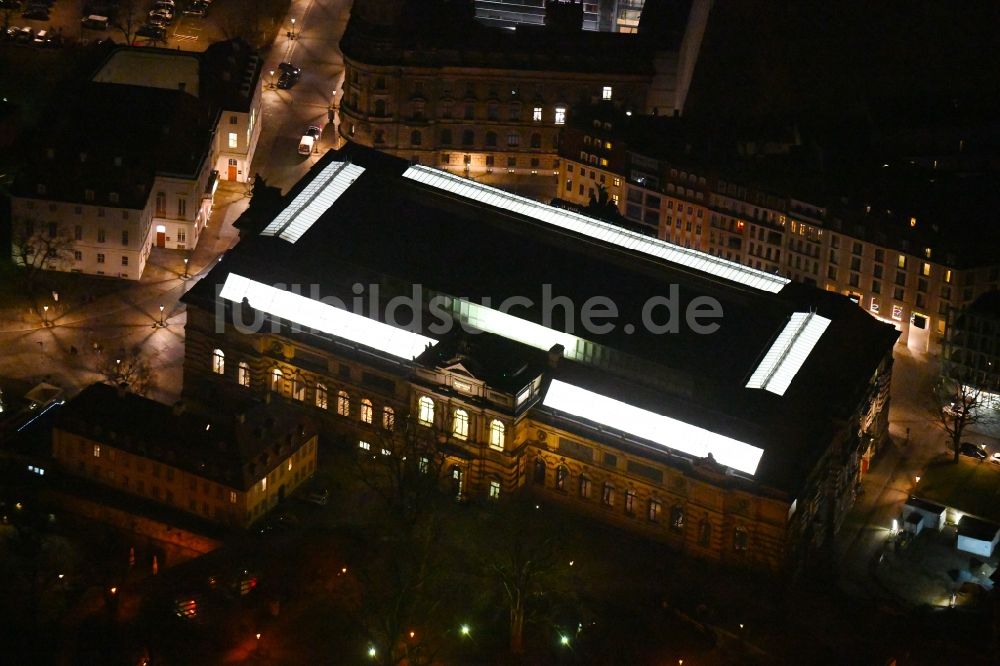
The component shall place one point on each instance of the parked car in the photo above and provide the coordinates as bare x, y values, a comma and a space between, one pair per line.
995, 458
309, 139
199, 9
152, 31
36, 14
24, 35
318, 496
976, 451
10, 4
161, 15
95, 22
289, 75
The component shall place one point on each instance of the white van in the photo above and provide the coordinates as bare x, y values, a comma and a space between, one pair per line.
309, 139
95, 22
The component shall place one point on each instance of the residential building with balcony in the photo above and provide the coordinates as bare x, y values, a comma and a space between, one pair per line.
971, 350
743, 444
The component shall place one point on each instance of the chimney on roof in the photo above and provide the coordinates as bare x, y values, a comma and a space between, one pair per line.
179, 408
555, 354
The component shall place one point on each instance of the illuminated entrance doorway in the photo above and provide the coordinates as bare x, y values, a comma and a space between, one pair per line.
920, 332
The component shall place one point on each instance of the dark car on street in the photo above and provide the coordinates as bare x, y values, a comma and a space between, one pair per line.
973, 450
36, 13
152, 31
289, 75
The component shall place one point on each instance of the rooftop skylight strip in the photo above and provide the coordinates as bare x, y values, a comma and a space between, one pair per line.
514, 328
596, 229
314, 200
663, 430
313, 314
788, 353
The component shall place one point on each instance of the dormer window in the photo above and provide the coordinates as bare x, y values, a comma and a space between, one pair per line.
88, 195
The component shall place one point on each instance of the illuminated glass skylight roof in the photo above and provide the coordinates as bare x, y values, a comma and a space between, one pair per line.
663, 430
602, 231
307, 312
314, 199
789, 351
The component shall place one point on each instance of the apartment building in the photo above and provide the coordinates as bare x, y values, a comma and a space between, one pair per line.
230, 472
971, 353
135, 158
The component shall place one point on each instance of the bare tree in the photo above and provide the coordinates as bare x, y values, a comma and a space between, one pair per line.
958, 410
131, 368
130, 18
35, 249
404, 575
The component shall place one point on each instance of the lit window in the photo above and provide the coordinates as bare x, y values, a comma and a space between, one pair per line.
494, 490
365, 446
608, 495
947, 276
424, 464
232, 497
343, 403
617, 182
460, 424
321, 396
97, 450
457, 481
584, 487
926, 269
536, 114
366, 410
901, 262
561, 474
388, 418
654, 510
874, 306
677, 518
233, 140
897, 312
630, 502
298, 387
560, 115
606, 92
425, 411
243, 374
497, 430
276, 380
386, 452
218, 362
740, 539
263, 484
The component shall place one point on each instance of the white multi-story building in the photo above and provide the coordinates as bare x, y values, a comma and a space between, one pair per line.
135, 162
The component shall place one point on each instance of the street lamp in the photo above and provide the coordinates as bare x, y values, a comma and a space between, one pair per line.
162, 323
45, 315
271, 84
464, 629
291, 33
185, 275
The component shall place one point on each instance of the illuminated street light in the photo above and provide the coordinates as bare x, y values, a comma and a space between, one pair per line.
114, 590
895, 525
563, 639
465, 629
45, 315
372, 652
271, 84
185, 275
291, 33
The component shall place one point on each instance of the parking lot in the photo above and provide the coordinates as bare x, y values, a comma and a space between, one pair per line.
66, 22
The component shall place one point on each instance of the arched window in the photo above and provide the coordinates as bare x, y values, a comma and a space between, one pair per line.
218, 362
497, 431
539, 471
513, 139
380, 107
460, 424
343, 403
276, 380
298, 387
704, 532
468, 137
561, 474
243, 374
608, 495
491, 139
366, 410
677, 518
416, 138
584, 487
425, 410
321, 396
388, 418
536, 140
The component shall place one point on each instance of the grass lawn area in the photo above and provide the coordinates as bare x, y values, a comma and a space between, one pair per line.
970, 486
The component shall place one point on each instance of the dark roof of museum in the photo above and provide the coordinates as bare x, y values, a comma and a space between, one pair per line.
236, 452
395, 232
